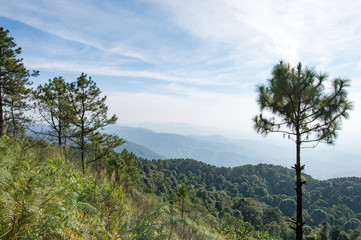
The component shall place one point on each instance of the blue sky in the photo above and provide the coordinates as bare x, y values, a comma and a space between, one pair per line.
195, 61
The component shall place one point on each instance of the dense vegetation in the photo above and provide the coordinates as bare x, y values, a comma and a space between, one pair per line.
261, 195
44, 197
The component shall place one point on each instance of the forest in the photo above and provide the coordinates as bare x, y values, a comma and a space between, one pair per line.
61, 178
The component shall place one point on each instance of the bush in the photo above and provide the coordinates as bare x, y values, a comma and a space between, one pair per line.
44, 200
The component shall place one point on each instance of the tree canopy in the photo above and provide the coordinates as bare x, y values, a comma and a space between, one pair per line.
301, 107
53, 106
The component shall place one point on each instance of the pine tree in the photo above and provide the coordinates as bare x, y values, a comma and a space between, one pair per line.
325, 229
182, 194
14, 86
89, 114
301, 110
53, 106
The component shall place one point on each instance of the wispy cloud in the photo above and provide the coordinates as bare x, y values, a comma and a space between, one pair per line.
97, 68
291, 30
130, 33
262, 31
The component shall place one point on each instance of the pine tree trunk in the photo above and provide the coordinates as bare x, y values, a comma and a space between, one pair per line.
83, 163
183, 199
1, 114
59, 135
14, 130
83, 154
299, 220
60, 144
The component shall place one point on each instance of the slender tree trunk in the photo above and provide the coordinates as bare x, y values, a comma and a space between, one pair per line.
183, 199
59, 135
2, 131
298, 168
117, 175
13, 120
82, 160
1, 114
82, 142
60, 124
60, 143
83, 132
82, 150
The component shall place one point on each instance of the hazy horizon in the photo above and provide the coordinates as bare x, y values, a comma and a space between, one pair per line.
323, 162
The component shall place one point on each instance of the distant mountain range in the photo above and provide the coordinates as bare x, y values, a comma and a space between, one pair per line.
321, 163
140, 151
215, 150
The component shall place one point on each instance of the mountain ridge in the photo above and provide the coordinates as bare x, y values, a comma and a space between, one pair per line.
322, 163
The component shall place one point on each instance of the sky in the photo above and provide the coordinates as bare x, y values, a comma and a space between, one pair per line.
196, 62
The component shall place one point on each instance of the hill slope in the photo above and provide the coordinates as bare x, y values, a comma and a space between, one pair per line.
140, 151
262, 195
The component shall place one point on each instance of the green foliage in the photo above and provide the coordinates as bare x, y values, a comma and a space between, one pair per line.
88, 116
296, 96
325, 231
124, 168
287, 206
235, 195
76, 111
110, 200
14, 91
234, 228
209, 204
318, 216
182, 194
53, 106
352, 224
42, 200
144, 227
100, 151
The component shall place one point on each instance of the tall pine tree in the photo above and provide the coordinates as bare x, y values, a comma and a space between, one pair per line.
14, 87
301, 109
90, 114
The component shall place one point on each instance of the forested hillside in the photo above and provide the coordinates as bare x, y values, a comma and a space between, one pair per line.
43, 195
262, 195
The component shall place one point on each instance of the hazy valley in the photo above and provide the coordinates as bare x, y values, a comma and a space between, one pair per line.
322, 162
